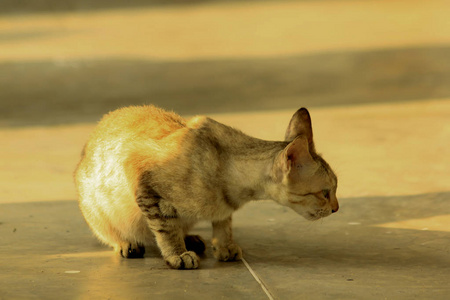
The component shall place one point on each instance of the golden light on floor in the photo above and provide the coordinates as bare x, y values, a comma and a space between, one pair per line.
108, 253
436, 223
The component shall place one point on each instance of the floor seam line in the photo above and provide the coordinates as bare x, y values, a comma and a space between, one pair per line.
263, 286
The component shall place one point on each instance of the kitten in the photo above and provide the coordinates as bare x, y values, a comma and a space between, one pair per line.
149, 174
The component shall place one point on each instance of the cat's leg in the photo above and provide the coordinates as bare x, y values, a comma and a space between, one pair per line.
223, 246
193, 242
170, 239
164, 222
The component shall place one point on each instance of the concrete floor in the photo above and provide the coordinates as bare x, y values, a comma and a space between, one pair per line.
49, 253
378, 92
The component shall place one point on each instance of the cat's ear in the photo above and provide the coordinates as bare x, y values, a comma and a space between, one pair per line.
296, 158
300, 124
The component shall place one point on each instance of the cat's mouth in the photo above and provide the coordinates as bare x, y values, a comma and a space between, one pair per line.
317, 216
313, 217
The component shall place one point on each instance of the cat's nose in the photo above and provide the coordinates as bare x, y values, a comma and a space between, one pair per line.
334, 206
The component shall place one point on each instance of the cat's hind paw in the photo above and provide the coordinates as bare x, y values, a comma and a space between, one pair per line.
187, 260
195, 243
128, 250
231, 252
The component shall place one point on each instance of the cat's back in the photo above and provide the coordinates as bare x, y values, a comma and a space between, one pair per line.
138, 122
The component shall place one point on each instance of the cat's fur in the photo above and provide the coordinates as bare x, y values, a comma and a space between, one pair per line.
146, 173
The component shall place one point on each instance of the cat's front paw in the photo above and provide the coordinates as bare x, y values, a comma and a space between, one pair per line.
229, 253
187, 260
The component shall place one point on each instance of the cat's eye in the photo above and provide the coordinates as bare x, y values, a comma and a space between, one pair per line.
326, 194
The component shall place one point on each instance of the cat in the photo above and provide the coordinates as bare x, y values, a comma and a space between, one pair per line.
148, 174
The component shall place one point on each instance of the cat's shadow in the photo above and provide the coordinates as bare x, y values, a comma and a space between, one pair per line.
362, 233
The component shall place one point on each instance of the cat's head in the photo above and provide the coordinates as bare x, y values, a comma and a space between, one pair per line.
305, 181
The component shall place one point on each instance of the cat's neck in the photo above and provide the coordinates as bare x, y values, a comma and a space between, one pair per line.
247, 172
249, 177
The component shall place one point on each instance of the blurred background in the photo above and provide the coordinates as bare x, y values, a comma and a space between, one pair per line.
65, 62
